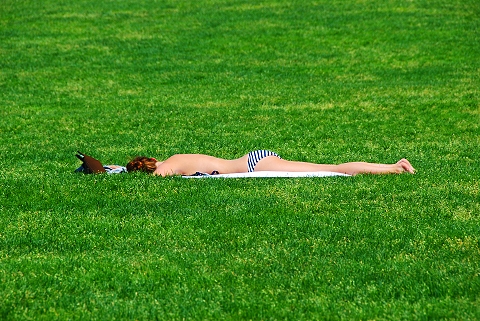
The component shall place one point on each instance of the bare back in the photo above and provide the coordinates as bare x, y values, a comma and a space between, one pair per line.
187, 164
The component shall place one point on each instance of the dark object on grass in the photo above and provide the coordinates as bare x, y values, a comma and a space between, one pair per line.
90, 165
205, 174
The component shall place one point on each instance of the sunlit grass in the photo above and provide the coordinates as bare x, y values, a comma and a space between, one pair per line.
325, 82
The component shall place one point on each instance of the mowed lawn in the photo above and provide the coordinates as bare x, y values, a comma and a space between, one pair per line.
320, 81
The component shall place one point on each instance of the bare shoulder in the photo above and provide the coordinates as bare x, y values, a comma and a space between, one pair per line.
163, 171
176, 164
168, 167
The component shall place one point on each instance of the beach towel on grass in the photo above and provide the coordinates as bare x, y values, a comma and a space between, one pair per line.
266, 174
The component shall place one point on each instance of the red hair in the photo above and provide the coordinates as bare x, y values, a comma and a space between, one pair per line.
142, 163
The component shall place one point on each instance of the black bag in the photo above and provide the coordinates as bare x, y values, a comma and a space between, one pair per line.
90, 165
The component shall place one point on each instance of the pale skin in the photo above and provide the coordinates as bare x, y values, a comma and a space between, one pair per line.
187, 164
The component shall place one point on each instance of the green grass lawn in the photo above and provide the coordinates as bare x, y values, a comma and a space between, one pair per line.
320, 81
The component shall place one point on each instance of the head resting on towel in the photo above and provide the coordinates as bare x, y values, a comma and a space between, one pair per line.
142, 163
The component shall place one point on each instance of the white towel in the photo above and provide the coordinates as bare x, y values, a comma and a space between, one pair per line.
268, 174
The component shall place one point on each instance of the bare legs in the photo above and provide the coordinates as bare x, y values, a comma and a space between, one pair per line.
273, 163
354, 168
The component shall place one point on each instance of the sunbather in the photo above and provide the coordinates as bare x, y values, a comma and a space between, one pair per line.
260, 160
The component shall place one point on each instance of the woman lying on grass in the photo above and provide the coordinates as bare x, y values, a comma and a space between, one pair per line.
259, 160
